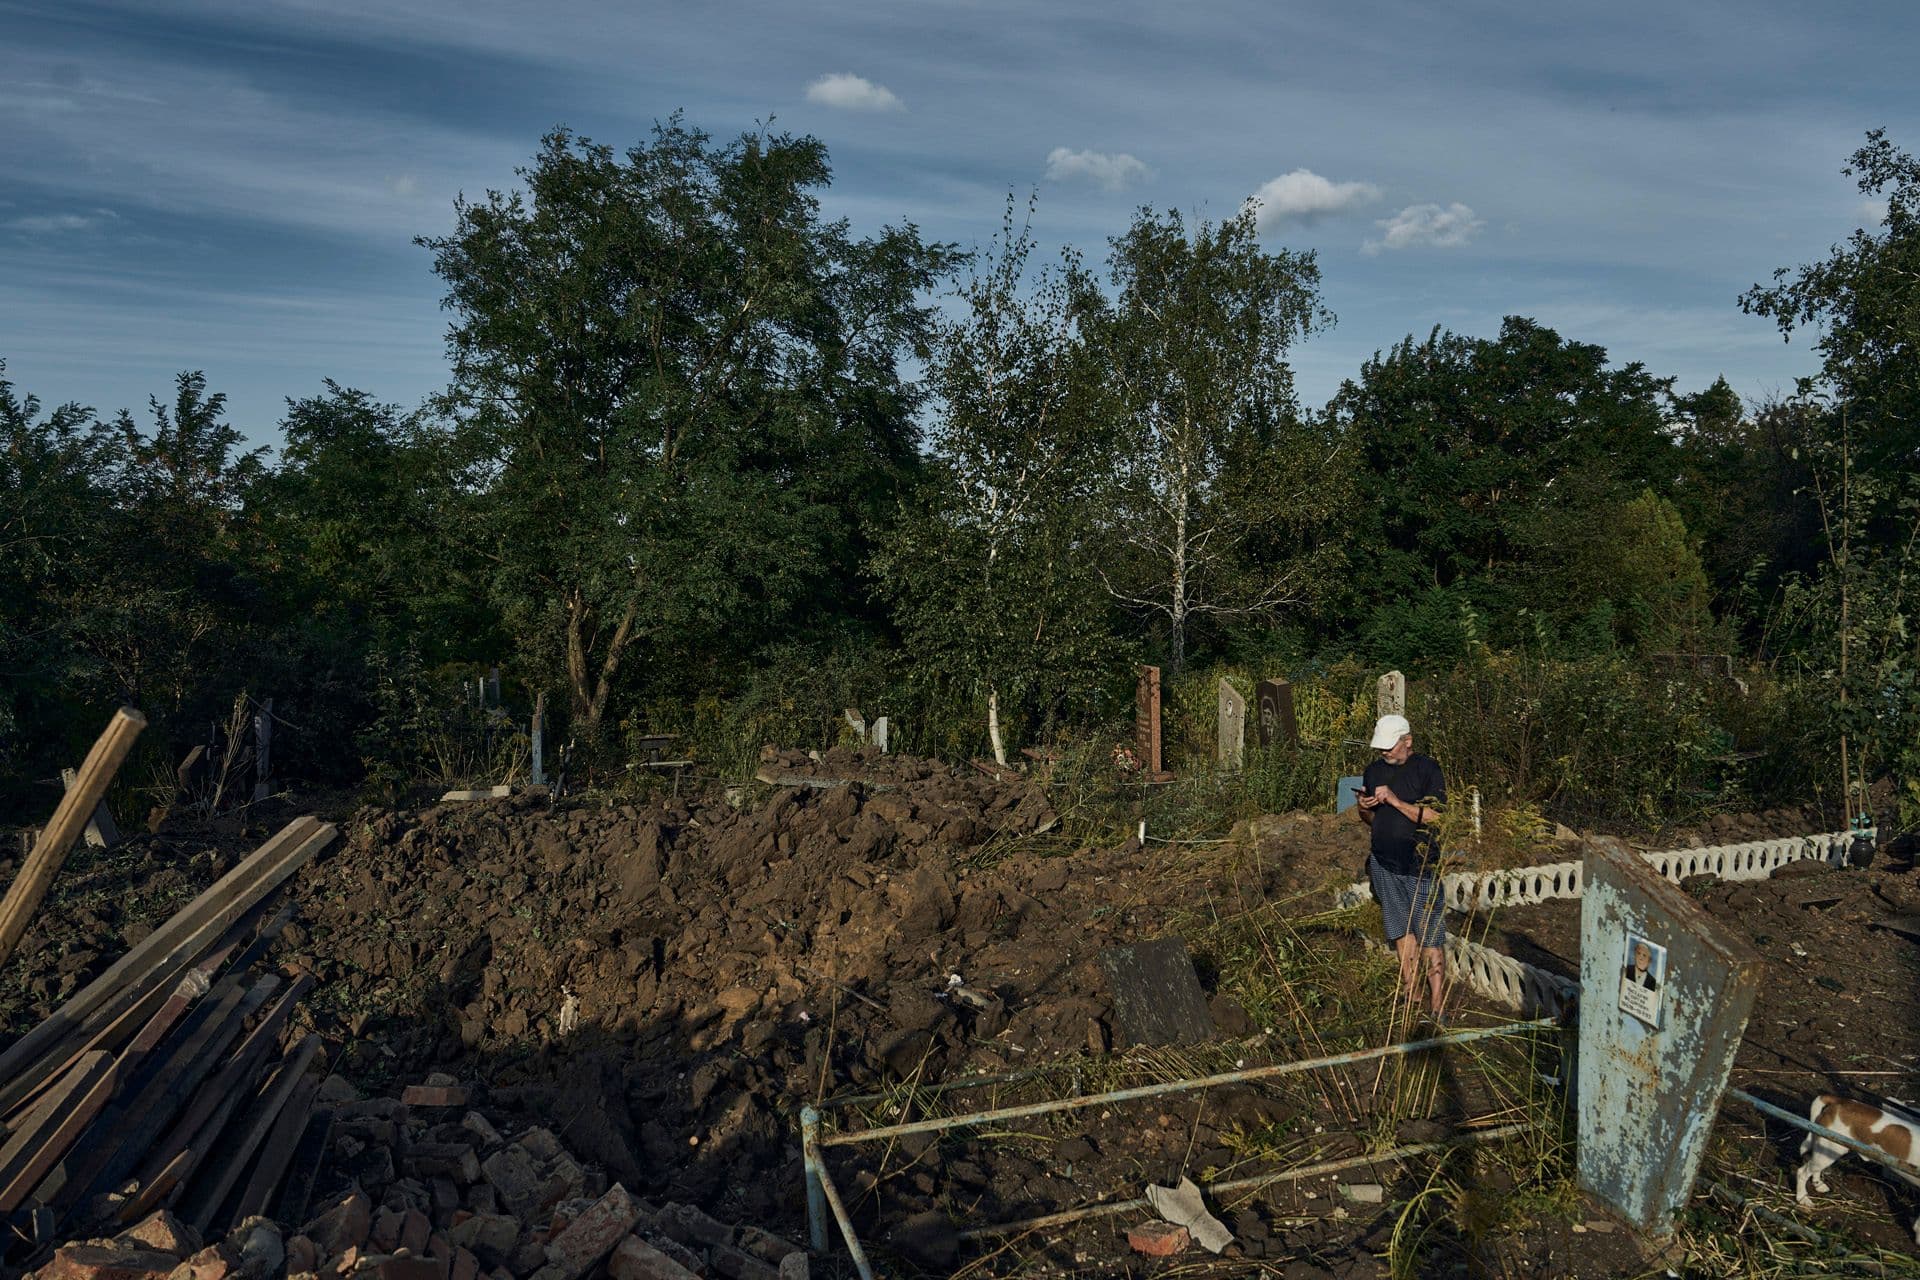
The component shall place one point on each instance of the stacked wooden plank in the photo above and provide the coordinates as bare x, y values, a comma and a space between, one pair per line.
164, 1082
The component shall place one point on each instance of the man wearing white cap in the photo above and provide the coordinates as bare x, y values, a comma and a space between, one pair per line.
1397, 798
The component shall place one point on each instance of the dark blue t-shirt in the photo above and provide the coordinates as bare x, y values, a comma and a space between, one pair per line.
1398, 845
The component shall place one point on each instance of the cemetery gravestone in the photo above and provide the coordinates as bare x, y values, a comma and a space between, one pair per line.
1156, 994
1275, 701
538, 772
263, 750
1146, 720
1233, 726
1390, 695
101, 832
1665, 994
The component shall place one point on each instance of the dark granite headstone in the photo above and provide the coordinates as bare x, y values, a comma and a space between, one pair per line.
1156, 994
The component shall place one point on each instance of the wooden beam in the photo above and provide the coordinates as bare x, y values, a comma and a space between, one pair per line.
253, 1129
154, 1018
68, 1109
158, 959
30, 887
236, 1086
308, 1155
127, 1135
277, 1154
229, 1084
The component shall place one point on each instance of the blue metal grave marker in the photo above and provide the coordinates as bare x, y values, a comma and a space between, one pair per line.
1665, 993
1346, 793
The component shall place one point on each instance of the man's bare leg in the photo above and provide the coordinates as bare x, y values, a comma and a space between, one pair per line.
1436, 977
1408, 948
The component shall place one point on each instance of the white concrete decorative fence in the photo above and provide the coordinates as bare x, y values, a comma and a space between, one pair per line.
1529, 990
1534, 992
1754, 860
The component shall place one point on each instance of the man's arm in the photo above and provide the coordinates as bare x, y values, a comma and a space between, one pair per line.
1418, 814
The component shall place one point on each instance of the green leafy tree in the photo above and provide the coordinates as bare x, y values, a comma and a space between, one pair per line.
1636, 569
989, 570
1482, 457
1852, 617
1863, 305
676, 394
1209, 451
58, 529
183, 602
1741, 485
356, 524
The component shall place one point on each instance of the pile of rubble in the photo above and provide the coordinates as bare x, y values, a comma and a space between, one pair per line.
428, 1187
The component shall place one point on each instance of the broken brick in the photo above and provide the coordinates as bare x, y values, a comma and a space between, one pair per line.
540, 1143
482, 1128
163, 1232
465, 1266
690, 1226
738, 1264
1158, 1239
104, 1262
765, 1245
434, 1095
403, 1267
343, 1227
215, 1262
415, 1228
493, 1236
635, 1259
454, 1160
515, 1176
302, 1256
258, 1246
384, 1235
593, 1235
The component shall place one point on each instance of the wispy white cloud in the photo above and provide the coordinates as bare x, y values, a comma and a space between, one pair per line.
1426, 226
1870, 213
205, 140
849, 92
56, 223
1115, 170
1304, 196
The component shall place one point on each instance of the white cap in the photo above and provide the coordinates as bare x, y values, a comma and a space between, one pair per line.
1388, 731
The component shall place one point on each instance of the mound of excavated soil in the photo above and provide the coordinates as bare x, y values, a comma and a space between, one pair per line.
103, 902
731, 961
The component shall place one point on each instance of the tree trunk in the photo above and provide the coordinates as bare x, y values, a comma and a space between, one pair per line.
993, 727
1177, 611
579, 695
588, 695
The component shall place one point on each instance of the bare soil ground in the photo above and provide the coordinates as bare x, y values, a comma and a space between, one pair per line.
665, 985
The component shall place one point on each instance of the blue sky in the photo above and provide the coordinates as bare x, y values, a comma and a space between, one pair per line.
233, 185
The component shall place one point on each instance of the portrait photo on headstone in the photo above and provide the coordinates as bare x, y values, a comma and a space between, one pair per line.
1643, 975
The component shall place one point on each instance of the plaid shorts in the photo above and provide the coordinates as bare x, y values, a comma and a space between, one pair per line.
1409, 904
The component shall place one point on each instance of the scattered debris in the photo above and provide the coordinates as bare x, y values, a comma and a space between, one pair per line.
1158, 1239
1183, 1205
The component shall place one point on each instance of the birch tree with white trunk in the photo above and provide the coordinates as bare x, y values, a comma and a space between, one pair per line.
987, 571
1211, 456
